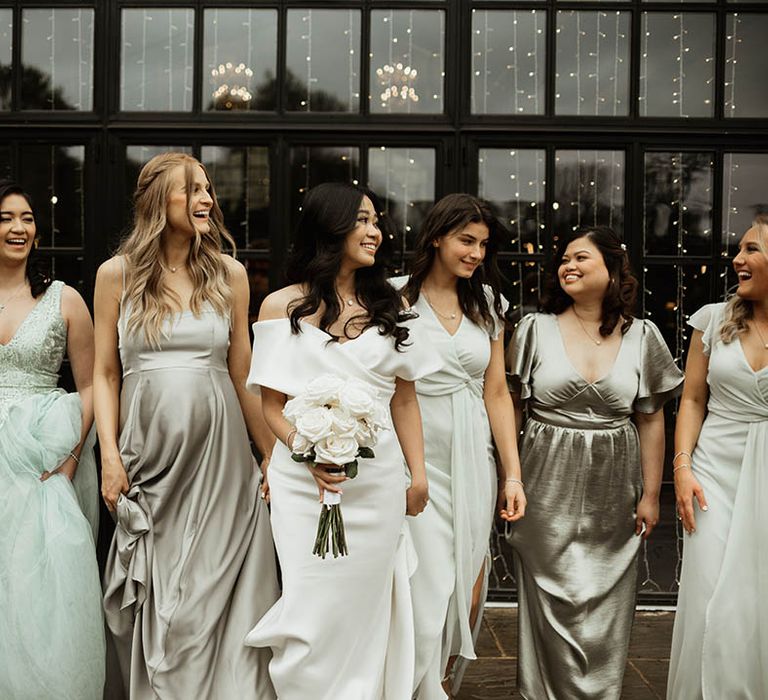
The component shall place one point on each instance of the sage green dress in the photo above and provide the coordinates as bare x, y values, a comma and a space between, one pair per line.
576, 564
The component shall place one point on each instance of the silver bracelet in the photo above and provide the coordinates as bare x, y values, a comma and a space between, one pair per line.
511, 480
682, 466
682, 452
75, 457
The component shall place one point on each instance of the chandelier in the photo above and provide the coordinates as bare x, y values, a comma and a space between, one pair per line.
233, 86
398, 83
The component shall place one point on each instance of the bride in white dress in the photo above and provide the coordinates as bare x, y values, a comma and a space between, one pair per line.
343, 628
720, 638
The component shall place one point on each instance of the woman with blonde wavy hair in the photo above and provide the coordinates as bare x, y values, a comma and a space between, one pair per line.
191, 563
720, 639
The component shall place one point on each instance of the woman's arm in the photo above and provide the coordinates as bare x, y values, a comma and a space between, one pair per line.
406, 418
107, 376
690, 416
80, 354
650, 429
501, 415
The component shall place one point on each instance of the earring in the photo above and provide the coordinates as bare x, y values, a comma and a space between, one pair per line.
36, 243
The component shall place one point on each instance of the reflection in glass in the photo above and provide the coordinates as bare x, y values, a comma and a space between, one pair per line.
745, 93
523, 287
407, 61
677, 206
239, 59
157, 60
589, 190
6, 57
54, 177
745, 195
241, 178
592, 70
57, 59
311, 165
508, 61
404, 178
513, 181
323, 61
677, 66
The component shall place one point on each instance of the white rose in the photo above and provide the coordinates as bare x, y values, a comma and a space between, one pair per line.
300, 445
324, 390
294, 408
358, 398
378, 417
344, 423
365, 435
314, 424
336, 450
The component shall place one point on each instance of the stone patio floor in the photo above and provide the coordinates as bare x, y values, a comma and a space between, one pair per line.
492, 676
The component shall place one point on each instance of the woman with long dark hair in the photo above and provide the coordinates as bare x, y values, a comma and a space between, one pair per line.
720, 639
594, 380
52, 643
343, 629
466, 408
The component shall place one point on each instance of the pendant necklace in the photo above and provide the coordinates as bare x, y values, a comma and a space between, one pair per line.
584, 328
760, 334
447, 317
13, 296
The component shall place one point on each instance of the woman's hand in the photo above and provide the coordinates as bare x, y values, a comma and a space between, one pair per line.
416, 497
647, 514
264, 480
512, 501
326, 480
114, 480
687, 487
68, 468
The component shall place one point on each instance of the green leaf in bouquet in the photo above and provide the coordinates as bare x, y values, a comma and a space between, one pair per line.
302, 458
366, 453
351, 469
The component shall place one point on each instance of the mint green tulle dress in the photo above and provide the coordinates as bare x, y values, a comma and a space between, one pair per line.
51, 623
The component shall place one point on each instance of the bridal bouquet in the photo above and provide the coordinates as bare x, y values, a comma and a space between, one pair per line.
336, 421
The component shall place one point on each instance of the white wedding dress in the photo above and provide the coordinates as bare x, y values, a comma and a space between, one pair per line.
343, 628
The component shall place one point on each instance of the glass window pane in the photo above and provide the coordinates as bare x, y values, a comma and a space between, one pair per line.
677, 66
57, 59
677, 206
54, 177
523, 288
404, 178
258, 282
6, 163
513, 181
508, 61
589, 189
592, 71
407, 61
241, 178
745, 195
745, 93
323, 61
240, 59
156, 62
6, 57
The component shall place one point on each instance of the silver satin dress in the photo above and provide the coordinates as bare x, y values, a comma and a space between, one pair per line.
192, 565
576, 563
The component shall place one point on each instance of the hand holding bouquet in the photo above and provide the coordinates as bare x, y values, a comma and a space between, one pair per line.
336, 421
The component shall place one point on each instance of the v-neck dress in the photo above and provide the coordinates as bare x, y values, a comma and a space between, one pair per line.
576, 563
452, 535
343, 628
720, 638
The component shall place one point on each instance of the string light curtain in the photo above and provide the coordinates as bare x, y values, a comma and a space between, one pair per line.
745, 86
6, 55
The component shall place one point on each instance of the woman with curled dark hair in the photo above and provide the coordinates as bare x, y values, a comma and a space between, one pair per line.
344, 626
594, 381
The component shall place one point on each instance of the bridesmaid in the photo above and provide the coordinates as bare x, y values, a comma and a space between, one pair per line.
454, 287
191, 561
52, 639
594, 380
343, 629
720, 639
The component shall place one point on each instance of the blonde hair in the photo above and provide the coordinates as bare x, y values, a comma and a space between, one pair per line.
146, 293
737, 309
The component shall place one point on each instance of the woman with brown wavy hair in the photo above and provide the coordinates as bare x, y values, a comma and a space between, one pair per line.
191, 563
594, 381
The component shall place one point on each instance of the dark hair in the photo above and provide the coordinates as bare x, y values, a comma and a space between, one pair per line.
451, 213
39, 279
329, 213
621, 294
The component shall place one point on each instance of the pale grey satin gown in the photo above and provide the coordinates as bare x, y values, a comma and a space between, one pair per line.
191, 564
576, 563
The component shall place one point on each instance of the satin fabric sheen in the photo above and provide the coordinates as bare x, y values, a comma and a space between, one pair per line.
720, 638
576, 564
191, 564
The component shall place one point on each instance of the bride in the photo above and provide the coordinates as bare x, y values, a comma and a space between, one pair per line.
343, 628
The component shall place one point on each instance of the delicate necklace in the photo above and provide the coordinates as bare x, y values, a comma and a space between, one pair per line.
447, 317
584, 328
13, 296
759, 333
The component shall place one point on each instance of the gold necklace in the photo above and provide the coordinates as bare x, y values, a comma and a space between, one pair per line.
759, 333
18, 289
584, 328
449, 317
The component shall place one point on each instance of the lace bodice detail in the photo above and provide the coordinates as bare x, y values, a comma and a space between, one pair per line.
30, 361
